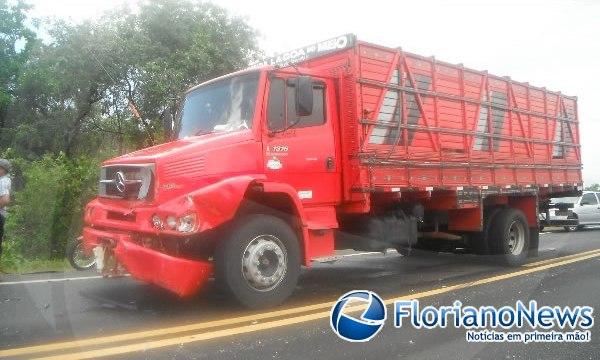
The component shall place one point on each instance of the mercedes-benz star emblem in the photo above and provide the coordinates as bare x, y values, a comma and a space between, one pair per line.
120, 181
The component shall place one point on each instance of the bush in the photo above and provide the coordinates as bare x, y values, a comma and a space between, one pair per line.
48, 198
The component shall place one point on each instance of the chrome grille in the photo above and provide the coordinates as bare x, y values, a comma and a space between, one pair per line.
126, 181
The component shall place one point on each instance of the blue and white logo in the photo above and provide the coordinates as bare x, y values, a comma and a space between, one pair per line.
367, 325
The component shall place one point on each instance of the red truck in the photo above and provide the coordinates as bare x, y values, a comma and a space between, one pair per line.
342, 144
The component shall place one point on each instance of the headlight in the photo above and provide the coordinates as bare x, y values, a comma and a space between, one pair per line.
187, 223
171, 222
157, 222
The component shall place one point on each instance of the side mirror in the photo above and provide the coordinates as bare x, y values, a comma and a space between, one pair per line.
304, 95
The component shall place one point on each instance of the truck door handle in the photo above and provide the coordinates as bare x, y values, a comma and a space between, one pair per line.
329, 163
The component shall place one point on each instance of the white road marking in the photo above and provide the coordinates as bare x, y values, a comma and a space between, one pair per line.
54, 280
388, 251
363, 253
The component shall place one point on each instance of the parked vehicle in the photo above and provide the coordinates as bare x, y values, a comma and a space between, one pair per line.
354, 146
573, 213
78, 257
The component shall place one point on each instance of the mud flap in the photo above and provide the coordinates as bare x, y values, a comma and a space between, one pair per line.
534, 242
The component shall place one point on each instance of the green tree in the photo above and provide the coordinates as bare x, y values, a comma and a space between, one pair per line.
70, 100
78, 90
16, 41
593, 187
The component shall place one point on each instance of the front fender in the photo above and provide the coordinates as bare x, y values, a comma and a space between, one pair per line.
213, 205
275, 187
218, 203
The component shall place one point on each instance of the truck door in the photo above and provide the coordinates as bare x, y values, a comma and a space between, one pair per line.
301, 150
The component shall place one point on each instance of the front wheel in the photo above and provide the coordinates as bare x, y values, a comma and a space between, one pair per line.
509, 236
572, 228
259, 263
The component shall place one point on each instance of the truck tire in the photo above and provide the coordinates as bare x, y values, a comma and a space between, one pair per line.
258, 264
478, 241
509, 237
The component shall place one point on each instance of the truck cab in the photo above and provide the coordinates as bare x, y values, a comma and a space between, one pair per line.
261, 141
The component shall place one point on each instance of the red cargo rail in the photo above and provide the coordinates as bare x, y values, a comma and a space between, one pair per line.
413, 122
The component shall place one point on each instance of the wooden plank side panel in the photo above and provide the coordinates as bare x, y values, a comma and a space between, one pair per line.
479, 129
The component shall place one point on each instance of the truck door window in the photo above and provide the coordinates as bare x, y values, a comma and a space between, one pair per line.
281, 109
276, 108
589, 199
317, 117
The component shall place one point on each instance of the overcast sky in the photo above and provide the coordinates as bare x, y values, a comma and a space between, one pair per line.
555, 44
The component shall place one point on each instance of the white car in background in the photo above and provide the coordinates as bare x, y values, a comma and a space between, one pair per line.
573, 213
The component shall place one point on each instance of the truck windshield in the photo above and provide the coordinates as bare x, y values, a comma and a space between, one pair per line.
225, 105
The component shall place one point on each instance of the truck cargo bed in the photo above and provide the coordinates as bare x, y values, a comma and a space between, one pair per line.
414, 122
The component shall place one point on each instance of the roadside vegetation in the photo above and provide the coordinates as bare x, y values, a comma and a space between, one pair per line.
73, 95
593, 187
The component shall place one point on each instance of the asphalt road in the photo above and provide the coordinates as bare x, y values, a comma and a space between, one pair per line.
79, 315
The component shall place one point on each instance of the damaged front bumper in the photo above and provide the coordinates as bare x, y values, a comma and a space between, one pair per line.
184, 277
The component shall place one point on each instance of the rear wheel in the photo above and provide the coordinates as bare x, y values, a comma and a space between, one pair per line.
572, 228
259, 263
509, 236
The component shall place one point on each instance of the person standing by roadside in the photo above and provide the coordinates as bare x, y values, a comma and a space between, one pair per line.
4, 195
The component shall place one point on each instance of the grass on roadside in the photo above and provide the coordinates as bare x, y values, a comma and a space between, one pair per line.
34, 265
13, 262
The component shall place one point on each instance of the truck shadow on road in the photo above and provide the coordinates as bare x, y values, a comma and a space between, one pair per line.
390, 274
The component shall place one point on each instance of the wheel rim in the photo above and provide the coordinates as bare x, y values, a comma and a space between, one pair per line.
264, 262
572, 228
516, 237
81, 259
